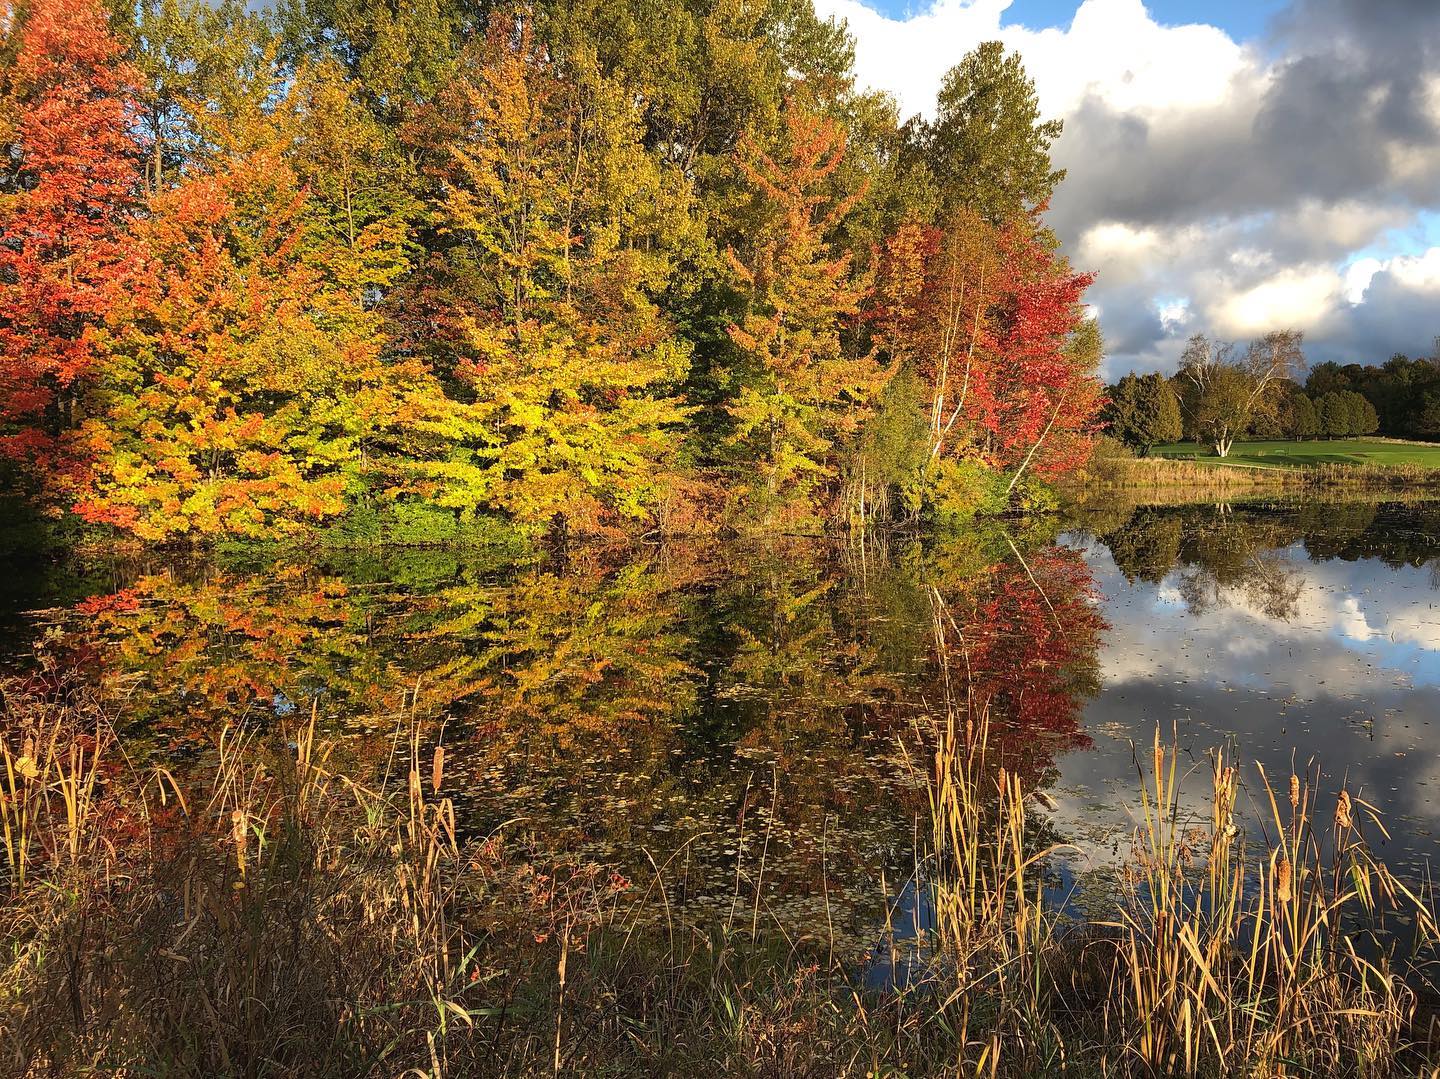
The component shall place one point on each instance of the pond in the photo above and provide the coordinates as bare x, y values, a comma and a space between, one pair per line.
738, 729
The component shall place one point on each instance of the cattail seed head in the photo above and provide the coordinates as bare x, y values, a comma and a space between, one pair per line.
237, 833
1343, 818
437, 769
1294, 791
1283, 875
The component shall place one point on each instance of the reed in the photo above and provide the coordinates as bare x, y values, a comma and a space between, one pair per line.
268, 911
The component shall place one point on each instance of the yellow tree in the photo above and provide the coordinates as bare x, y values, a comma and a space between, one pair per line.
554, 218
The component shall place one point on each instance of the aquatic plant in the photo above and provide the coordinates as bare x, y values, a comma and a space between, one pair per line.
272, 907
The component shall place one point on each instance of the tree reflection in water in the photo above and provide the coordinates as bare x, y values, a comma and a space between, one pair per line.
738, 719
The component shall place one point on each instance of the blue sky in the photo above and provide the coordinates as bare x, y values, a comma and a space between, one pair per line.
1243, 19
1235, 166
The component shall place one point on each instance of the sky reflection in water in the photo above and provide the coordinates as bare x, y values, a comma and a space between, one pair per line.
1308, 637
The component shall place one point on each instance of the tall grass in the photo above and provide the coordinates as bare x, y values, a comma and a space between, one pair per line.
271, 910
1222, 959
1210, 478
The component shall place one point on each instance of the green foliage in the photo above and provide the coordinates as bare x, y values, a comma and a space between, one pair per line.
1305, 421
1404, 392
891, 462
962, 487
196, 59
1344, 414
987, 147
1143, 412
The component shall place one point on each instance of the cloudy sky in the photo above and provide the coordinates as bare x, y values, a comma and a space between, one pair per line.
1235, 165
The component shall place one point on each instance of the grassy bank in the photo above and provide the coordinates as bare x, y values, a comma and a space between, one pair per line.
1387, 453
1209, 476
264, 913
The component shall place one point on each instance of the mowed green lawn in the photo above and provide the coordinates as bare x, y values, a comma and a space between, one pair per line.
1349, 451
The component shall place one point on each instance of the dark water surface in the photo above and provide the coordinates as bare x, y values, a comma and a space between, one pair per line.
745, 725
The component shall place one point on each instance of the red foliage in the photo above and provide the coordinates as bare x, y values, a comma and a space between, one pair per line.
986, 316
62, 241
1030, 646
1036, 388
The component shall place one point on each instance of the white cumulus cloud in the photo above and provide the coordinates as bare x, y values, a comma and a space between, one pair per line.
1214, 184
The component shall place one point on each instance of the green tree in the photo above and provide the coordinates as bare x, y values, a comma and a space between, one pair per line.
1222, 390
1345, 414
987, 147
1334, 414
1364, 419
396, 52
1144, 412
1305, 423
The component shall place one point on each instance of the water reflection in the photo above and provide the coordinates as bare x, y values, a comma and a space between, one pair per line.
747, 726
1299, 634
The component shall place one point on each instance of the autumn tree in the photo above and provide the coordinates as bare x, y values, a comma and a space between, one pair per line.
243, 392
360, 203
934, 308
1222, 390
993, 320
69, 185
1044, 396
803, 392
566, 265
554, 219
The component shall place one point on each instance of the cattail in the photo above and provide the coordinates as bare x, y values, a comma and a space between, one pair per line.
1294, 791
1282, 881
1159, 756
437, 769
1343, 819
237, 832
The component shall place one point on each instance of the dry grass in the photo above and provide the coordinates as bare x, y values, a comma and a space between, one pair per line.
1201, 479
266, 914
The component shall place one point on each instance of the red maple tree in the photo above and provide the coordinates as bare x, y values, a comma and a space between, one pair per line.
71, 185
987, 316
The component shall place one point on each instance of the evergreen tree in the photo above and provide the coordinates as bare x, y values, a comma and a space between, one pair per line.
1304, 421
1144, 412
987, 147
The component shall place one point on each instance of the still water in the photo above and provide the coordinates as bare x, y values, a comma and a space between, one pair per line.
738, 729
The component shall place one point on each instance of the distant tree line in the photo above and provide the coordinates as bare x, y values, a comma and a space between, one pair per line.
1222, 393
1403, 392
